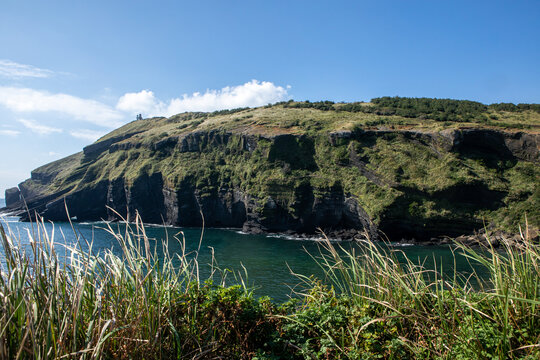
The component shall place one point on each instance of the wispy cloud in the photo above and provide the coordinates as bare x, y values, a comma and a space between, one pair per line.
13, 70
11, 133
88, 135
250, 94
39, 128
29, 100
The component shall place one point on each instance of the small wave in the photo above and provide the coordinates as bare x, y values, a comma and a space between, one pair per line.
300, 238
281, 236
8, 219
92, 223
6, 214
402, 244
161, 226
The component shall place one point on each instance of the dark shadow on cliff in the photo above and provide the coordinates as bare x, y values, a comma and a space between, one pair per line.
488, 147
405, 217
297, 151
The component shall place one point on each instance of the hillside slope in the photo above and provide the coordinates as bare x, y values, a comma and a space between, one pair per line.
411, 168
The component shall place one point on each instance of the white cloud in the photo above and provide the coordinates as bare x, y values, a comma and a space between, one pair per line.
253, 93
250, 94
141, 102
87, 135
30, 100
39, 128
11, 133
13, 70
53, 153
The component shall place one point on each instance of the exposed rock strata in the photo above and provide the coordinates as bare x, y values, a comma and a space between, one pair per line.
184, 206
334, 211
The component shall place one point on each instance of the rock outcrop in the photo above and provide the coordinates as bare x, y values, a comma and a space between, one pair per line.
13, 197
186, 206
290, 182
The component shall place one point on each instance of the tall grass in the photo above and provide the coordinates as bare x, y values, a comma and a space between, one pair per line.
66, 301
71, 303
431, 315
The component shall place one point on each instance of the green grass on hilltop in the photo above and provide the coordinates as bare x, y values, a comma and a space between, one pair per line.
316, 117
391, 175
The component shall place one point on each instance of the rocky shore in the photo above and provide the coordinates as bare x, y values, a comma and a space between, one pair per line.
482, 238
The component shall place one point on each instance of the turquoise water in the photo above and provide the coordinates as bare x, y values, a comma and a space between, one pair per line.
267, 259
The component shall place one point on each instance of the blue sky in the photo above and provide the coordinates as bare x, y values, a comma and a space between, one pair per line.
71, 71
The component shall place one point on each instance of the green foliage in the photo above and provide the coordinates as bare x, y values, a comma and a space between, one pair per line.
328, 325
515, 108
296, 152
436, 109
354, 107
383, 307
443, 110
318, 105
264, 152
228, 112
139, 305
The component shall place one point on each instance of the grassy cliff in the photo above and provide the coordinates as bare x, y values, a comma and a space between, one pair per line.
410, 167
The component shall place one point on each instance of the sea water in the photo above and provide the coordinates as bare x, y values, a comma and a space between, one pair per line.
270, 261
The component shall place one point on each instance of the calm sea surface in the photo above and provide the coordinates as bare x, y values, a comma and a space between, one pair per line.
267, 259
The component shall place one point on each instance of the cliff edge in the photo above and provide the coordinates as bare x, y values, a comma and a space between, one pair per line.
296, 168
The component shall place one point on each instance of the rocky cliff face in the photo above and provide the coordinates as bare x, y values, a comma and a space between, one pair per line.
406, 182
186, 206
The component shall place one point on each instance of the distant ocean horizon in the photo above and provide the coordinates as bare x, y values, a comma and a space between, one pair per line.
2, 203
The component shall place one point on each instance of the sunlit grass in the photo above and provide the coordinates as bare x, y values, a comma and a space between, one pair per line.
419, 311
66, 301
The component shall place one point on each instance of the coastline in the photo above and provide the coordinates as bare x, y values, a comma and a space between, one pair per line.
486, 237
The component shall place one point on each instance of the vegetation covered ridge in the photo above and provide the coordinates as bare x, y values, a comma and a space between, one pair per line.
413, 168
446, 110
64, 301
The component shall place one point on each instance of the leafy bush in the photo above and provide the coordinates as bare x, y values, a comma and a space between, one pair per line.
370, 306
428, 108
515, 108
319, 105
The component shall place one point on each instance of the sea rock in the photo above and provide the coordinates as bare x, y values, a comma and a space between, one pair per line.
13, 197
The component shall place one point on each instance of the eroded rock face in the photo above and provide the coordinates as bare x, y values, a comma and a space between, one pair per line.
87, 204
524, 146
94, 150
330, 209
116, 200
297, 151
331, 212
505, 145
228, 207
12, 197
